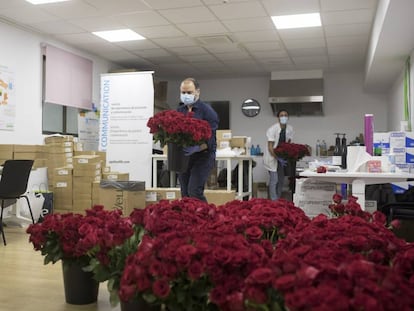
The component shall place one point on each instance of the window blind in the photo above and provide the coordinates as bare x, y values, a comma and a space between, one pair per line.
68, 78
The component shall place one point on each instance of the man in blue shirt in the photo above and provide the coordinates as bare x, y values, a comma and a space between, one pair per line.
201, 158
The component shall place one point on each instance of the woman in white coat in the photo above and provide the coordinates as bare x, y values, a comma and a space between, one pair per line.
276, 134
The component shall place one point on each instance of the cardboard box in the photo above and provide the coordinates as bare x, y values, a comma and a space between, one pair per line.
85, 159
238, 141
115, 176
154, 195
6, 151
223, 134
80, 205
58, 138
123, 195
219, 197
29, 148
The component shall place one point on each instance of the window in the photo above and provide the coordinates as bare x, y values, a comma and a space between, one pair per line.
60, 119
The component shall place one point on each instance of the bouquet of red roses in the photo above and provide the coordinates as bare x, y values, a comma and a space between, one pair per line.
171, 126
291, 152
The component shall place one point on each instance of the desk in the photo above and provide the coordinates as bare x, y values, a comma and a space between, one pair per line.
239, 194
358, 180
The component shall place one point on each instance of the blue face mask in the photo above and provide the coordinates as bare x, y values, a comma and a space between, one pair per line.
283, 120
187, 99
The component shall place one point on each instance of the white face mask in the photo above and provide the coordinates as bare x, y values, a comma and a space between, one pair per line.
188, 99
283, 120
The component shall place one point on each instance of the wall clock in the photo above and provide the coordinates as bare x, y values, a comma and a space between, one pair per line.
250, 107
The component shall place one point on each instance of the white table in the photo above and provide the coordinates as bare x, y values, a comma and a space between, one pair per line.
228, 159
358, 180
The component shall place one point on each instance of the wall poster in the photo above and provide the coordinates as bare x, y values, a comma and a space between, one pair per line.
7, 99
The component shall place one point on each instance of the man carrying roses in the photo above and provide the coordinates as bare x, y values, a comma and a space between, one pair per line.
201, 157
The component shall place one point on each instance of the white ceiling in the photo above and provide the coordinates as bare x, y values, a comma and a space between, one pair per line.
207, 38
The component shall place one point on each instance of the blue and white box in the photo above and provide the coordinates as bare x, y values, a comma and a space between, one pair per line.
397, 140
409, 139
382, 140
400, 187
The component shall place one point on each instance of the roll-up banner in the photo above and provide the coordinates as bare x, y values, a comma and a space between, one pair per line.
127, 102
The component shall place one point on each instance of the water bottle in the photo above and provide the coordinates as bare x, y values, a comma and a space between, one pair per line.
324, 150
253, 150
258, 150
318, 148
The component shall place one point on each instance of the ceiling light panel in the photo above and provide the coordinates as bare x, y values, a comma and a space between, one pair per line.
119, 35
45, 1
297, 21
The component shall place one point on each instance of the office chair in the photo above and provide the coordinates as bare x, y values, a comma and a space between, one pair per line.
13, 185
404, 212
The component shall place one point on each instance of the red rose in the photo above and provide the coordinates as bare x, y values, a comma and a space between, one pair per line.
254, 233
260, 276
161, 288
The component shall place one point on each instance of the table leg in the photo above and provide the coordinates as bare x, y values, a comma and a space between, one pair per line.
240, 180
154, 172
228, 164
358, 190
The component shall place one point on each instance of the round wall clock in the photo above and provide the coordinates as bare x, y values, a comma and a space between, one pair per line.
250, 107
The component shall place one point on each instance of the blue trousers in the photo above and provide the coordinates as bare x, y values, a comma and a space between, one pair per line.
193, 180
276, 181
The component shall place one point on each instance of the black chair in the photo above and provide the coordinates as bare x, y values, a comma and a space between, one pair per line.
13, 185
404, 212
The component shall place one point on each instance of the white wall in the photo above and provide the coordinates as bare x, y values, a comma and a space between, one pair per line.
345, 106
21, 52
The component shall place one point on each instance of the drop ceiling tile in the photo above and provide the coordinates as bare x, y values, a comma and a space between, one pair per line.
211, 2
4, 4
188, 15
282, 7
347, 17
147, 53
308, 52
141, 19
167, 31
204, 28
27, 15
238, 10
164, 59
208, 65
340, 50
304, 43
57, 27
224, 48
102, 48
137, 45
233, 55
200, 58
71, 9
262, 46
189, 50
79, 38
347, 30
337, 5
98, 23
276, 61
302, 33
347, 41
279, 67
172, 4
249, 24
112, 7
175, 42
269, 54
252, 36
318, 59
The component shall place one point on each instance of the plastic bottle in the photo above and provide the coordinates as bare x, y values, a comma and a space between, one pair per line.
318, 148
253, 150
258, 150
324, 149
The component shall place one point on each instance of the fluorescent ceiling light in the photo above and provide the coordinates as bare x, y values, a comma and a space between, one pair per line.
297, 21
45, 1
118, 35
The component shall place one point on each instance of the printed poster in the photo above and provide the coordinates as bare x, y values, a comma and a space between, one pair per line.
88, 129
7, 99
